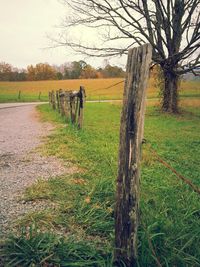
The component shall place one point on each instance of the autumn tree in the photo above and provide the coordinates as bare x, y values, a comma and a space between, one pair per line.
42, 71
31, 73
5, 71
113, 71
170, 26
89, 72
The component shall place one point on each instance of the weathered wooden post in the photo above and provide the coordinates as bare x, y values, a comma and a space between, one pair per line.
81, 106
19, 95
50, 99
39, 96
53, 99
77, 106
72, 108
58, 101
131, 134
67, 105
62, 103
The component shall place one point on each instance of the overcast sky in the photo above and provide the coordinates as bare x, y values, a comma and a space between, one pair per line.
24, 26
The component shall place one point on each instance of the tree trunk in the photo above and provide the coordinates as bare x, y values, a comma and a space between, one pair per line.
170, 92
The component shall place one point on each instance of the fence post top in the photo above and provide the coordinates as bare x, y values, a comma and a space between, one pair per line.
74, 92
145, 47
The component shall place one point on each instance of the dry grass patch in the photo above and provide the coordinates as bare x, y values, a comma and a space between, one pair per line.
95, 89
190, 103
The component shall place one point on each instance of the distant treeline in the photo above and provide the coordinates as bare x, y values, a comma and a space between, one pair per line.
44, 71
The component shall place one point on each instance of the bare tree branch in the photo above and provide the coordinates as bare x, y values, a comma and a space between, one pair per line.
172, 27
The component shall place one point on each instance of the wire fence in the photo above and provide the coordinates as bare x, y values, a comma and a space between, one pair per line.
69, 104
62, 106
108, 87
173, 170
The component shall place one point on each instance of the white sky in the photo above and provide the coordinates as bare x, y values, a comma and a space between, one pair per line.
24, 26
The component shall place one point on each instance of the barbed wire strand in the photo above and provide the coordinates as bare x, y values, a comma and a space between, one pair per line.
180, 176
108, 87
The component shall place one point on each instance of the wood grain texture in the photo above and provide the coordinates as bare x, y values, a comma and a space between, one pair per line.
58, 100
131, 134
53, 99
62, 103
82, 97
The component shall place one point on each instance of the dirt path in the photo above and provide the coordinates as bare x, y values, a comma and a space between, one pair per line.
20, 133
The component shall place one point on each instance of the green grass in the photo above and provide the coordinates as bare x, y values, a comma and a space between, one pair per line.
84, 201
35, 248
13, 97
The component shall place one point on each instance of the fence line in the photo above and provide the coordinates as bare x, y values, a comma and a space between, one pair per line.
69, 104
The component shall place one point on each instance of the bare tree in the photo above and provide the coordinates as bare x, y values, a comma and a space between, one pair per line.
170, 26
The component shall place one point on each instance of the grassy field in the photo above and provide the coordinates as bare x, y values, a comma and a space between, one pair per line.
83, 212
95, 89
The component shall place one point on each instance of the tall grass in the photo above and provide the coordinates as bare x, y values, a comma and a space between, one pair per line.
35, 248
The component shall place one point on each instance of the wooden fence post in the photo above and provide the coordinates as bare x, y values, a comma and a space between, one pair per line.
62, 102
53, 99
81, 106
50, 102
77, 104
19, 95
72, 108
67, 105
57, 101
39, 96
131, 134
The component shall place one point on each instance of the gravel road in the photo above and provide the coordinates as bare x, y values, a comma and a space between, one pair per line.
20, 166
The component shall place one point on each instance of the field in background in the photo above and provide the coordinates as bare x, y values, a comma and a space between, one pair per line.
95, 89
